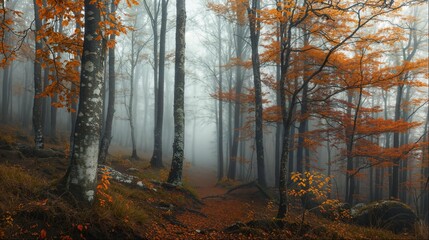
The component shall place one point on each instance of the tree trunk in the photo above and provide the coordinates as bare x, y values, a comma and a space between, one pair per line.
81, 176
131, 102
287, 118
278, 124
237, 104
46, 117
107, 134
5, 98
25, 102
350, 128
394, 191
328, 150
259, 134
156, 160
175, 175
37, 104
220, 105
303, 124
404, 140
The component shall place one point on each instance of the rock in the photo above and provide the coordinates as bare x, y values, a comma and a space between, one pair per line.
387, 214
121, 177
335, 211
356, 208
132, 170
116, 175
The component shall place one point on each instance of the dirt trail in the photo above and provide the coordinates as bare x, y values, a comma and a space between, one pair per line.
222, 210
203, 180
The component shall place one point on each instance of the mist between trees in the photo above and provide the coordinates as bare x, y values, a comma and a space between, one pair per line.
264, 89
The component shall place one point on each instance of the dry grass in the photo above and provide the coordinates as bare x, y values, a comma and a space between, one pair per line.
421, 230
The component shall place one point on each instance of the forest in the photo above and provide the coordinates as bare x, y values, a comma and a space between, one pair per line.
214, 119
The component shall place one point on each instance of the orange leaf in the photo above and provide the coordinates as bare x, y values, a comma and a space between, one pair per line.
43, 234
80, 227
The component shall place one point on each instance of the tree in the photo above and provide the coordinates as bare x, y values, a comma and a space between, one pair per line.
156, 160
408, 52
239, 11
81, 176
107, 134
332, 33
220, 172
158, 68
134, 60
37, 104
175, 175
255, 27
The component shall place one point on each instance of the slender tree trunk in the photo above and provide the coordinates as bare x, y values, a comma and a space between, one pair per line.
220, 105
145, 116
328, 150
194, 140
303, 124
404, 140
175, 176
46, 117
37, 105
424, 202
230, 131
278, 124
131, 105
237, 104
5, 102
349, 133
287, 117
301, 131
394, 191
107, 134
259, 133
25, 102
156, 160
81, 176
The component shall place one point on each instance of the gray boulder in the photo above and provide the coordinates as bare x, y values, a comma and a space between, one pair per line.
386, 214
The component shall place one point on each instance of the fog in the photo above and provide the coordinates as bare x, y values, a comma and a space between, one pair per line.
203, 39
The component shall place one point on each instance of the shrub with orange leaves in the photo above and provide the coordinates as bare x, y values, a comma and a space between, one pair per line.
312, 188
314, 183
102, 187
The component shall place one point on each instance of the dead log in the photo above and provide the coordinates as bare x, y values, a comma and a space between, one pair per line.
249, 185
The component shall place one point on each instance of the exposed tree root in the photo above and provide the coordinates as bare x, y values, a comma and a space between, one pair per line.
249, 185
173, 220
215, 196
169, 186
196, 212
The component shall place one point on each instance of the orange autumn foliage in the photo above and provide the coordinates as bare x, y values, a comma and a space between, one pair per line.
62, 36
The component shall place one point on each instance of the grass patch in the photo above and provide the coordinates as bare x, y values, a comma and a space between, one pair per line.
17, 184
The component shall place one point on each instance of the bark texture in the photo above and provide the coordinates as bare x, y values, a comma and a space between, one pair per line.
259, 134
107, 135
175, 176
38, 102
81, 177
156, 160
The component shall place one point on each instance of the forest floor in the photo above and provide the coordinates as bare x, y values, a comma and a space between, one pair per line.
31, 206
